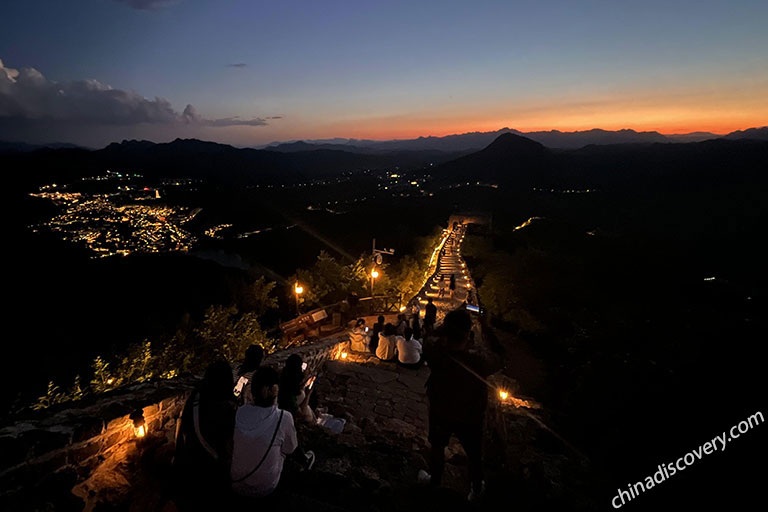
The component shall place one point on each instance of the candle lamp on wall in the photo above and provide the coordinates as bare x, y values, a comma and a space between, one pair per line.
139, 424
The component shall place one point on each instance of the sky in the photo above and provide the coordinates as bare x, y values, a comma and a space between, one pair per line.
249, 72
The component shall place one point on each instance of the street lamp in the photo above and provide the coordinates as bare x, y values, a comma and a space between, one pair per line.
374, 275
298, 289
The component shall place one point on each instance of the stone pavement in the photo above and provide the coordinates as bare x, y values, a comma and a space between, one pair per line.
362, 386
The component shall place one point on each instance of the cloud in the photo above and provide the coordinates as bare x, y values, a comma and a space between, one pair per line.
237, 65
190, 116
147, 5
26, 94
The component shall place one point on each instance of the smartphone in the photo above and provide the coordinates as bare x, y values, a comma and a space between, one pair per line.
303, 367
311, 382
473, 309
366, 329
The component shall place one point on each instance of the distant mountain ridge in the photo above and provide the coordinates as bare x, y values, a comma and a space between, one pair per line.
474, 141
516, 161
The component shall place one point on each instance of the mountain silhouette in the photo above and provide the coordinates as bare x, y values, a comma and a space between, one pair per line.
509, 158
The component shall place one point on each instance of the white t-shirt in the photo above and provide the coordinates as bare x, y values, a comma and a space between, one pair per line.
408, 351
254, 427
387, 347
358, 339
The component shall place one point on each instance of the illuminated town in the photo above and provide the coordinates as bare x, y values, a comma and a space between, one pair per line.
124, 219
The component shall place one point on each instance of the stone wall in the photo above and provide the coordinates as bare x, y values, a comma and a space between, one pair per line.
75, 456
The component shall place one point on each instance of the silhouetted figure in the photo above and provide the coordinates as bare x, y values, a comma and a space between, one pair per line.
441, 287
378, 327
415, 327
402, 325
254, 355
430, 315
457, 397
452, 285
204, 440
293, 396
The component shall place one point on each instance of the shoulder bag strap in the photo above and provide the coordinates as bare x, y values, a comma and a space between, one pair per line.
279, 420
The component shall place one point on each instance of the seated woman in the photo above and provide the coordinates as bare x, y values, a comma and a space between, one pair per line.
294, 397
409, 352
359, 339
254, 355
204, 439
387, 348
264, 435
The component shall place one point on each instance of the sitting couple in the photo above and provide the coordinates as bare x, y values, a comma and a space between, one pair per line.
220, 447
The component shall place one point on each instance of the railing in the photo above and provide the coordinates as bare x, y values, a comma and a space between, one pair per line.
327, 320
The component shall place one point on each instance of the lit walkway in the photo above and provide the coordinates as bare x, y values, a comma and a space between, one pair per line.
449, 263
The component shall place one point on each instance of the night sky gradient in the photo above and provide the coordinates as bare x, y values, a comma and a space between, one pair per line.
93, 71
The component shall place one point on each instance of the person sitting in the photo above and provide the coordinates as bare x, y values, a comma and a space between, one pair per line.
387, 349
254, 355
377, 328
416, 326
294, 397
409, 352
204, 439
402, 325
263, 436
358, 338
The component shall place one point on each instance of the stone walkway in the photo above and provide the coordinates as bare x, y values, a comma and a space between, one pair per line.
449, 263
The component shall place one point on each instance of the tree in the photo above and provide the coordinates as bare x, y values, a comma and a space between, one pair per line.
258, 298
227, 333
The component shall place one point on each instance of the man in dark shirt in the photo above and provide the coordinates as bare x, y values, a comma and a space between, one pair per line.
458, 395
377, 328
430, 315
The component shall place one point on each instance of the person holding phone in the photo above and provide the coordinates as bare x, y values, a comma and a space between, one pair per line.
294, 395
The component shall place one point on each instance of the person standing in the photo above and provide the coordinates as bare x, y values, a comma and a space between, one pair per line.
458, 397
452, 285
441, 287
430, 315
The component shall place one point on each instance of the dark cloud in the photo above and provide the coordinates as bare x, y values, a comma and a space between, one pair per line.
147, 5
191, 116
26, 94
237, 65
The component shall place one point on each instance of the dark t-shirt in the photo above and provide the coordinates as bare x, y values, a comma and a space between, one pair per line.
430, 314
455, 394
377, 328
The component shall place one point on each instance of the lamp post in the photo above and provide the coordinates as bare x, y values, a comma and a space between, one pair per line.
374, 275
298, 290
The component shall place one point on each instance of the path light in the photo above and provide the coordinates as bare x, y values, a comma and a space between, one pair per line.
402, 308
344, 355
139, 425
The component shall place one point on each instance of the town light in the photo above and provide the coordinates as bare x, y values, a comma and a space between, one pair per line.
374, 273
299, 289
402, 308
139, 425
503, 394
344, 355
